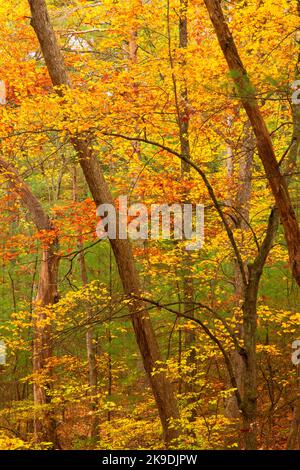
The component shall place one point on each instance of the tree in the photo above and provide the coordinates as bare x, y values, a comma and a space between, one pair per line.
265, 148
45, 425
147, 342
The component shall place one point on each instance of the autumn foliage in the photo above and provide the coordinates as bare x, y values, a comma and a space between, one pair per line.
150, 104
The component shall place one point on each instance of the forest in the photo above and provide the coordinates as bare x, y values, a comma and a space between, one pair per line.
150, 225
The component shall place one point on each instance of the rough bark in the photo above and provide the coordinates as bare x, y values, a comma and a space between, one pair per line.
249, 309
145, 336
44, 424
241, 219
265, 148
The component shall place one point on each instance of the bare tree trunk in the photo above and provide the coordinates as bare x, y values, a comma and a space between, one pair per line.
248, 370
183, 124
90, 345
241, 217
266, 153
145, 336
44, 425
249, 308
146, 339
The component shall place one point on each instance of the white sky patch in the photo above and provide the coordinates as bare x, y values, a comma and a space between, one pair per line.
2, 353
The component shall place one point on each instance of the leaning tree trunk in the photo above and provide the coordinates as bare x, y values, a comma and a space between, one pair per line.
249, 308
145, 336
265, 148
44, 423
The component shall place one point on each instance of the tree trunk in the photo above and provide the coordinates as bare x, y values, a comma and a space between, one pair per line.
145, 336
265, 149
44, 425
249, 309
249, 386
90, 345
241, 217
183, 125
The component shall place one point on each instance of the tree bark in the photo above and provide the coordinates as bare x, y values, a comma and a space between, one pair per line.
241, 219
249, 309
90, 345
265, 148
145, 336
45, 426
187, 261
